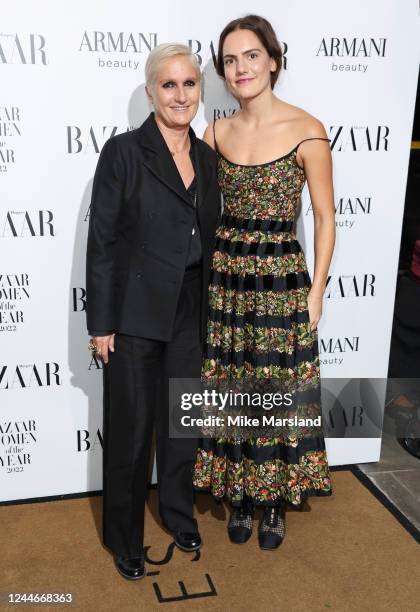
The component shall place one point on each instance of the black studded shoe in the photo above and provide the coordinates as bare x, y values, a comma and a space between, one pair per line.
240, 524
272, 528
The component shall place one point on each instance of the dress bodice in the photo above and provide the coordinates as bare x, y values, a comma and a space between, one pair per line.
265, 191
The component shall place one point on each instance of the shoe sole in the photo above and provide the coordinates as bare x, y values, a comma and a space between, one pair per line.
185, 549
130, 577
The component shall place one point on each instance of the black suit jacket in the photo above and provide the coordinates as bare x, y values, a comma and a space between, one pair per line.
141, 219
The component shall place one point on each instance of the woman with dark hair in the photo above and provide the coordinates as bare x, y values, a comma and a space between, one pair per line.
264, 309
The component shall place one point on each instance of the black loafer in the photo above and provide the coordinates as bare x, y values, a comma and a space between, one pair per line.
189, 542
131, 568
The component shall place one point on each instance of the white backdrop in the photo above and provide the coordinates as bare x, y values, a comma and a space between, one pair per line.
71, 75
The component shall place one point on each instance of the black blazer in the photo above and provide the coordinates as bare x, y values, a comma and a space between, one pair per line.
141, 219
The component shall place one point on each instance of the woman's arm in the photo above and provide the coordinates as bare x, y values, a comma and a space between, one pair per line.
107, 197
317, 162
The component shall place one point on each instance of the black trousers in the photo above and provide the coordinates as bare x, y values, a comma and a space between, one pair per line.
138, 373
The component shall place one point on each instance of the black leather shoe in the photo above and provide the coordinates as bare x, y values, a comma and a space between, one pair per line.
131, 568
189, 542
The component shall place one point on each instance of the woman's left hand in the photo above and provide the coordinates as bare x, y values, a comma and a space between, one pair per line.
315, 309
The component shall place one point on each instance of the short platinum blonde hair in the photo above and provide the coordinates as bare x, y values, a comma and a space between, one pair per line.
163, 52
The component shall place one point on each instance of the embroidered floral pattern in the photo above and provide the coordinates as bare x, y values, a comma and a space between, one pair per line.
251, 264
258, 330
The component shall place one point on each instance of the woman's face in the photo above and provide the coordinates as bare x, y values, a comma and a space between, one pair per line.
247, 65
176, 92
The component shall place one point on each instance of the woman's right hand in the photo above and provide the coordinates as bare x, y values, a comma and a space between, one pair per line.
104, 344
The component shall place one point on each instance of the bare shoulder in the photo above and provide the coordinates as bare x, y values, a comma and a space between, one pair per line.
304, 124
224, 124
311, 127
208, 135
219, 127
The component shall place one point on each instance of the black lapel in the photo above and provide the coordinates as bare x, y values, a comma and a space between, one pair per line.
158, 158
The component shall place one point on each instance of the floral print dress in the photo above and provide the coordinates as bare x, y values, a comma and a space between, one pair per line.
258, 327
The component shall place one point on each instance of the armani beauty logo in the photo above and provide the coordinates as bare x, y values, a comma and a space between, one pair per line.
333, 350
111, 45
30, 375
356, 52
91, 139
23, 49
26, 224
14, 294
359, 138
10, 132
16, 440
350, 286
348, 210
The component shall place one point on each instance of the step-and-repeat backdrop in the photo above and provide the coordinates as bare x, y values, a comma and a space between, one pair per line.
71, 76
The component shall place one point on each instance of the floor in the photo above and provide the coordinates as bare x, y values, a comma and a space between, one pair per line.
397, 475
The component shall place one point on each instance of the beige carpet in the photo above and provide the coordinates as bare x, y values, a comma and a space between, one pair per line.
348, 553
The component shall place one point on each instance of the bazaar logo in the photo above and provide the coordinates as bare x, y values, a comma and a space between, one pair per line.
22, 49
25, 224
359, 138
350, 286
30, 375
92, 138
219, 113
86, 441
14, 292
10, 129
196, 47
79, 299
16, 438
95, 363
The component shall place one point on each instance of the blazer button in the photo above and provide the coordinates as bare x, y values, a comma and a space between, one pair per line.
138, 275
151, 215
143, 245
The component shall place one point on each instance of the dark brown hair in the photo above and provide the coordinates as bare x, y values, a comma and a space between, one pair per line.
261, 28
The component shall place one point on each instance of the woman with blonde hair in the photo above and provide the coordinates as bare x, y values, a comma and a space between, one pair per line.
155, 204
